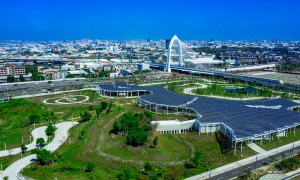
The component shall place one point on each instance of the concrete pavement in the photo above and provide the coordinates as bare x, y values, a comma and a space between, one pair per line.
256, 148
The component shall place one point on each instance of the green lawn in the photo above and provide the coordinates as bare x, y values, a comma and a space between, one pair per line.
266, 145
217, 153
14, 124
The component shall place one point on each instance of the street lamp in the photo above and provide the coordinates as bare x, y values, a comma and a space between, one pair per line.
209, 172
255, 163
293, 148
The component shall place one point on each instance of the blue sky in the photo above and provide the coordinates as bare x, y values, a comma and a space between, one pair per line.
154, 19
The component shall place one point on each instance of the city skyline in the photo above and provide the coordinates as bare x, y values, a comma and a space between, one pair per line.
134, 20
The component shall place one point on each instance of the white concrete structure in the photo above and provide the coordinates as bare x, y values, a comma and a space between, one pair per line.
173, 126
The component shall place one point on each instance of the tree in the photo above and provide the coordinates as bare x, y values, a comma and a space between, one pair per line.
125, 175
90, 166
23, 148
85, 116
98, 111
10, 78
5, 178
194, 161
147, 167
109, 107
43, 156
155, 141
137, 137
40, 141
129, 121
50, 130
69, 75
117, 127
149, 114
54, 118
104, 104
22, 78
34, 118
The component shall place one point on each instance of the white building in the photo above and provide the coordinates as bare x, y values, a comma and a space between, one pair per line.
143, 67
68, 67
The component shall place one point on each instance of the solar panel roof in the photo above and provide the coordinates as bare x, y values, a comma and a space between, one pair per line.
245, 118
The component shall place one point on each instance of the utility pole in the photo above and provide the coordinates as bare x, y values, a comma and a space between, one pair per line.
293, 148
255, 163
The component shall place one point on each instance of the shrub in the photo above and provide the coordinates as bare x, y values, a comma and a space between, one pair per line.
34, 118
104, 104
85, 116
90, 166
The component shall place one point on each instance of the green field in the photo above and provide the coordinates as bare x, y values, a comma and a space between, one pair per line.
112, 155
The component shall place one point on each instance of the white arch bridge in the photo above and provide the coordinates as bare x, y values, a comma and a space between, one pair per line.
186, 54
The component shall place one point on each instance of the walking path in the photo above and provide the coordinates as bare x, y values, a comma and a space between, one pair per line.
51, 93
243, 162
256, 148
189, 91
36, 133
61, 135
149, 84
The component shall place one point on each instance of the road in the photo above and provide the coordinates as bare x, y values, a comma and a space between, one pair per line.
239, 167
251, 166
61, 135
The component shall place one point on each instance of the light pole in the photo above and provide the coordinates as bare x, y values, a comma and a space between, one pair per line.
209, 172
255, 163
293, 148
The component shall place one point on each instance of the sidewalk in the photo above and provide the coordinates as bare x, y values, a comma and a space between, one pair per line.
243, 162
256, 148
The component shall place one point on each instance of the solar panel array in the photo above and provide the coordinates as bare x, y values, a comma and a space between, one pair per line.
246, 119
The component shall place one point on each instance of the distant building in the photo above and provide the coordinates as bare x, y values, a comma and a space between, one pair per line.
127, 72
168, 43
143, 67
68, 67
49, 72
113, 75
12, 70
78, 72
61, 74
29, 62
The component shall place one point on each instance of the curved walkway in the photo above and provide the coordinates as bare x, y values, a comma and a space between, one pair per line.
36, 133
190, 90
69, 99
61, 135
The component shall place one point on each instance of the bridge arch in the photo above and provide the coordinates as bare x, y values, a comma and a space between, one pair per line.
181, 62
